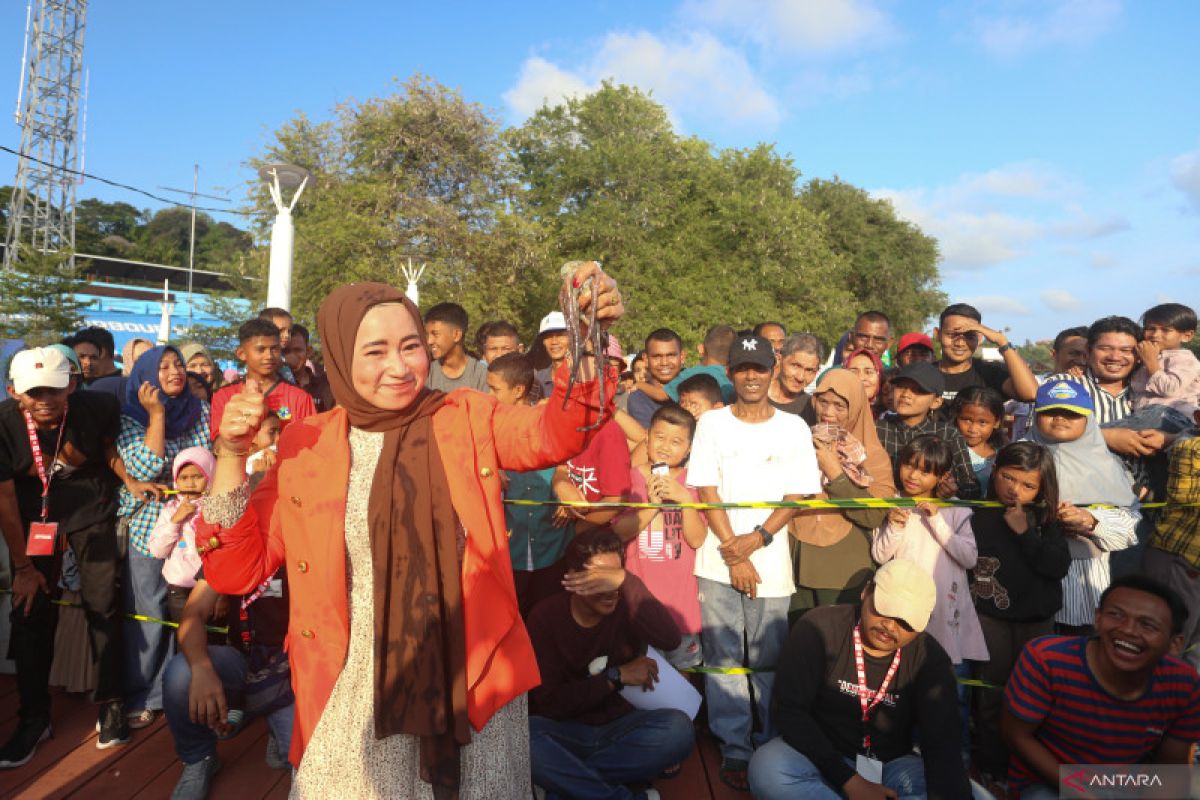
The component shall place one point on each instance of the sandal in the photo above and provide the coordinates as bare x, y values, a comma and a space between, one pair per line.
733, 774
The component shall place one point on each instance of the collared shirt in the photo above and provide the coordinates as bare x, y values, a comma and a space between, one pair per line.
894, 434
1088, 577
1178, 529
533, 541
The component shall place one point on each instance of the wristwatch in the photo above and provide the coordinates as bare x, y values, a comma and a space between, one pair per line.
613, 674
1004, 348
766, 535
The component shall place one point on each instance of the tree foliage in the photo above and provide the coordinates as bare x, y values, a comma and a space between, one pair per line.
695, 236
37, 299
892, 264
420, 175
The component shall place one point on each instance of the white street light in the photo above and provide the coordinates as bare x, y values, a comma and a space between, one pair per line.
281, 178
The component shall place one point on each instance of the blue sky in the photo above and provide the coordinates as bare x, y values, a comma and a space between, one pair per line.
1053, 147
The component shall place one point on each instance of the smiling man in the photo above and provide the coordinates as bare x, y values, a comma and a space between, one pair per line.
445, 333
1140, 704
845, 663
664, 362
744, 452
960, 332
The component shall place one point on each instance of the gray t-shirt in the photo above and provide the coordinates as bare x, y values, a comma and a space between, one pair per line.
473, 377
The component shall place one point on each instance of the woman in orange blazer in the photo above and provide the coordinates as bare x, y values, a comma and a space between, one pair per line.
387, 514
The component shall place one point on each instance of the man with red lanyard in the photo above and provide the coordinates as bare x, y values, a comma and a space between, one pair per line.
59, 468
855, 686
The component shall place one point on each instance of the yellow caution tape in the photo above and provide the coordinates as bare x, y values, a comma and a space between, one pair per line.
135, 617
829, 504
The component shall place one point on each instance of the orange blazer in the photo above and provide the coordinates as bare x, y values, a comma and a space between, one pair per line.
297, 517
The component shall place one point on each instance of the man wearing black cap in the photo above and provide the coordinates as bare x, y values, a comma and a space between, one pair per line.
743, 452
916, 395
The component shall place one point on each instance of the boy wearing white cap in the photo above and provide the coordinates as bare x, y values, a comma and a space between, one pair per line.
58, 459
855, 687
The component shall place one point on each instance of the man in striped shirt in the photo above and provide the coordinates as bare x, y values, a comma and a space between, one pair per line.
1115, 698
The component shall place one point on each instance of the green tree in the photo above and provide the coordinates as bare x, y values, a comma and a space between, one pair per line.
1037, 355
107, 229
37, 299
417, 174
695, 236
893, 265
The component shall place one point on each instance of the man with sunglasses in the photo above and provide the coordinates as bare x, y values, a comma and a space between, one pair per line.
960, 331
856, 685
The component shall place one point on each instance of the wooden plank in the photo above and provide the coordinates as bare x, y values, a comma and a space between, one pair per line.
252, 739
74, 725
150, 753
282, 787
710, 752
245, 773
692, 781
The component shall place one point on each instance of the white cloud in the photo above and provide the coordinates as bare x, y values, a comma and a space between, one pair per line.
696, 74
1043, 24
541, 82
791, 26
1061, 300
998, 304
983, 219
1185, 174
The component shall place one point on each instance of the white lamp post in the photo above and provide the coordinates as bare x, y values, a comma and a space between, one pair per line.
281, 178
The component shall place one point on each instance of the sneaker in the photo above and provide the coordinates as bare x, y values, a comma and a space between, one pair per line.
275, 759
196, 779
113, 728
23, 744
141, 719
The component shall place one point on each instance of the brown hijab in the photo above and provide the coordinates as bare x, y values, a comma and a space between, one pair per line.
420, 638
830, 527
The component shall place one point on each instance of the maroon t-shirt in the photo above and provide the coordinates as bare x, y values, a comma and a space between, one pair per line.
602, 469
290, 402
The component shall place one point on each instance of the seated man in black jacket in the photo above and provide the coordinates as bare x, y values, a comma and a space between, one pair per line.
585, 739
854, 685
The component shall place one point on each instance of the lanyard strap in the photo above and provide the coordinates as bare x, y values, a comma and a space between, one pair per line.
39, 462
866, 699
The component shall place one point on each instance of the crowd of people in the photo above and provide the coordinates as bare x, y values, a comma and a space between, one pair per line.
443, 567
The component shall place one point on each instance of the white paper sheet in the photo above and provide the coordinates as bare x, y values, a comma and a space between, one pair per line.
672, 690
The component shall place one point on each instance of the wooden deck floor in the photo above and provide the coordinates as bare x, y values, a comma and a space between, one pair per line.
69, 765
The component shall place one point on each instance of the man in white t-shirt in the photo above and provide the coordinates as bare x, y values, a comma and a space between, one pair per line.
745, 452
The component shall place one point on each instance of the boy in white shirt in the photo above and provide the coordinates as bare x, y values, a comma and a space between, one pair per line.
746, 452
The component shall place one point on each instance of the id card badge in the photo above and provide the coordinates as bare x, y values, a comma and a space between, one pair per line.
42, 536
275, 589
870, 768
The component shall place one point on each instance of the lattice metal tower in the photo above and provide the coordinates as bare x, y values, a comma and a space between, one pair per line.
42, 214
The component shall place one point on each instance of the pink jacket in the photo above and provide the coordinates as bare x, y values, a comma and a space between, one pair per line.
176, 542
945, 546
1176, 385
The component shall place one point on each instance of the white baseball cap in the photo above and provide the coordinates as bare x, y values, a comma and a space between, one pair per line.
39, 367
903, 590
554, 321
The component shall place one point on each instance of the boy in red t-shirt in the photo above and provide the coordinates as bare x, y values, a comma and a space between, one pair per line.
260, 351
